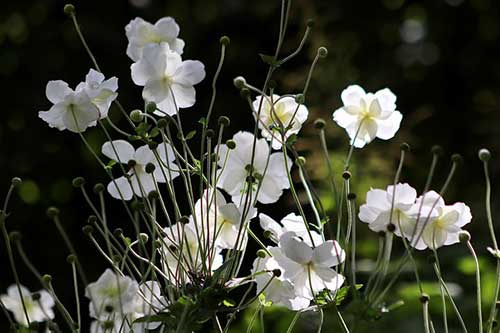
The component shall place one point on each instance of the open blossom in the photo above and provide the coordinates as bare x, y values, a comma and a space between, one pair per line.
224, 220
366, 115
138, 181
141, 33
37, 309
442, 223
111, 293
167, 80
276, 289
76, 110
279, 112
377, 209
269, 175
181, 253
291, 222
308, 267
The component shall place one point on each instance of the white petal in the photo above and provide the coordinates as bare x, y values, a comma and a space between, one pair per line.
328, 254
57, 90
295, 249
167, 28
94, 76
151, 65
343, 118
184, 96
144, 155
189, 73
120, 188
386, 98
54, 117
118, 150
387, 128
352, 95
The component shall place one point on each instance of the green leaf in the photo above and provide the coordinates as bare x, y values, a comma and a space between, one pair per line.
229, 303
203, 121
270, 60
110, 164
190, 135
142, 129
291, 140
218, 272
154, 132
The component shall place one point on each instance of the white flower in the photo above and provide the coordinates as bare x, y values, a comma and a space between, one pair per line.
37, 310
277, 289
307, 267
111, 293
182, 253
283, 111
224, 220
78, 109
167, 80
139, 182
442, 223
377, 209
291, 222
368, 115
269, 171
141, 33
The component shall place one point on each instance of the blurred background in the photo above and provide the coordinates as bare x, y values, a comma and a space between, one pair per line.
441, 58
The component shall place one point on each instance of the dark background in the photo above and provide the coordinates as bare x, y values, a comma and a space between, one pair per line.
441, 59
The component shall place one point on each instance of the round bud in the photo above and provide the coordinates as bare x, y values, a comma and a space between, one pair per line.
210, 133
224, 40
299, 99
484, 154
162, 123
224, 121
116, 258
464, 236
405, 147
351, 196
131, 163
69, 9
250, 179
258, 176
184, 219
71, 259
310, 23
319, 123
136, 116
52, 212
249, 168
47, 279
268, 234
92, 219
261, 253
118, 232
108, 325
109, 308
346, 175
15, 236
424, 298
437, 150
16, 181
276, 272
244, 93
143, 237
150, 168
391, 227
153, 195
239, 82
98, 188
381, 233
137, 205
431, 259
151, 107
231, 144
88, 229
301, 160
322, 52
152, 145
457, 158
78, 182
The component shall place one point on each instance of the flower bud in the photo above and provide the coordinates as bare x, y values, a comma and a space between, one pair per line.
151, 107
88, 229
184, 219
319, 123
224, 40
163, 122
351, 196
405, 147
143, 237
153, 195
301, 160
322, 52
424, 298
78, 182
92, 219
250, 179
15, 236
231, 144
299, 99
391, 227
136, 116
131, 163
118, 232
310, 23
36, 296
261, 253
150, 168
109, 324
464, 236
346, 175
152, 145
69, 9
109, 309
381, 233
71, 259
224, 121
437, 150
98, 188
484, 155
239, 82
457, 158
244, 93
276, 272
16, 181
47, 279
268, 234
52, 212
210, 133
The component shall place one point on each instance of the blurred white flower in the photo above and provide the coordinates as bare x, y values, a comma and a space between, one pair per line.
139, 182
149, 302
167, 80
111, 293
366, 116
307, 267
141, 33
224, 220
38, 308
291, 222
278, 290
283, 111
102, 92
377, 209
269, 173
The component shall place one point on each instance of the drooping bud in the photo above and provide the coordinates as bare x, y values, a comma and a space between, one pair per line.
47, 279
153, 195
464, 236
261, 253
224, 40
184, 219
346, 175
78, 182
143, 237
150, 168
163, 122
15, 236
71, 259
391, 227
457, 158
136, 116
224, 121
322, 52
300, 161
151, 107
277, 272
437, 150
310, 23
16, 181
210, 133
351, 196
69, 9
52, 212
300, 99
98, 188
319, 123
484, 154
405, 147
88, 229
424, 298
152, 145
239, 82
231, 144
